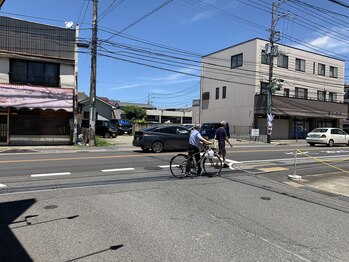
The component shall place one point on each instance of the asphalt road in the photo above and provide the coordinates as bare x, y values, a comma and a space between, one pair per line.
121, 205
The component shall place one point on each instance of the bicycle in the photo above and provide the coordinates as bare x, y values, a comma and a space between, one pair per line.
183, 165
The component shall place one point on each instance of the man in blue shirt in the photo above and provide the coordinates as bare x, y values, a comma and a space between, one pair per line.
221, 136
194, 144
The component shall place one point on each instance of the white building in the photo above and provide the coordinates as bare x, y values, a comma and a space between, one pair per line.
234, 84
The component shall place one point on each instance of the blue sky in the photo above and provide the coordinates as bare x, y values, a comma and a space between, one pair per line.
156, 56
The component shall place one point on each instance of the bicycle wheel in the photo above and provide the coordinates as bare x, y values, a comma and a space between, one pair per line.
213, 166
178, 165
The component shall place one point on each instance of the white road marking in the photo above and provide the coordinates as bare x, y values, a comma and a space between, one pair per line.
118, 169
51, 174
232, 161
166, 166
2, 185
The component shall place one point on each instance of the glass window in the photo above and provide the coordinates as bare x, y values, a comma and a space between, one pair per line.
217, 92
265, 58
206, 96
301, 93
37, 73
224, 92
18, 71
300, 65
264, 88
321, 95
333, 72
321, 69
332, 97
286, 92
283, 61
236, 60
314, 66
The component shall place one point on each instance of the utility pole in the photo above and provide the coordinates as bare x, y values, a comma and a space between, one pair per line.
273, 52
92, 119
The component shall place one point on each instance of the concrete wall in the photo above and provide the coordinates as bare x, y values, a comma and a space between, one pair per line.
237, 108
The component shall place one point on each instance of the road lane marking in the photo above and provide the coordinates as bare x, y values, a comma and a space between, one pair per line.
273, 169
118, 169
51, 174
2, 185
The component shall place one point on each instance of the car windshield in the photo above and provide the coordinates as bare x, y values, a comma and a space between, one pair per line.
320, 130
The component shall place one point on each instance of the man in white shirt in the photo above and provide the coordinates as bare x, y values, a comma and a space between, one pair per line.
194, 145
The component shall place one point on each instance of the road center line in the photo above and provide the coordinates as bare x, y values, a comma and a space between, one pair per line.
51, 174
117, 169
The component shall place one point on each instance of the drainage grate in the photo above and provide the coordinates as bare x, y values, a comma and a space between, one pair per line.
265, 198
50, 207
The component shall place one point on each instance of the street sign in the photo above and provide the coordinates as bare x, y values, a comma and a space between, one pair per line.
254, 132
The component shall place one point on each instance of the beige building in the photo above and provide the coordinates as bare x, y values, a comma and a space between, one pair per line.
235, 83
38, 72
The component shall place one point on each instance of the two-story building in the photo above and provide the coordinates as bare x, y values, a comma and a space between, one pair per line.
235, 82
38, 69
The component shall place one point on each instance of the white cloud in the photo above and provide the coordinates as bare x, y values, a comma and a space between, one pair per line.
328, 42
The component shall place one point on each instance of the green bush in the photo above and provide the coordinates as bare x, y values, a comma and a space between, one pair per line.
100, 141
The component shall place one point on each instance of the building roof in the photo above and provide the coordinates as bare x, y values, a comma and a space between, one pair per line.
123, 104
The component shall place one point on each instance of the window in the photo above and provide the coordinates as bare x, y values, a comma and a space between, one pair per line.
37, 73
314, 65
321, 69
301, 93
286, 92
236, 60
224, 92
283, 61
86, 114
321, 95
265, 58
217, 92
300, 65
332, 97
333, 72
206, 96
264, 88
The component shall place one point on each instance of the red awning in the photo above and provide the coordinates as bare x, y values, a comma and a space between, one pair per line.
22, 96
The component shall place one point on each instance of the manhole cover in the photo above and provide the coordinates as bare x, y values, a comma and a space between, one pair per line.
265, 198
50, 207
152, 168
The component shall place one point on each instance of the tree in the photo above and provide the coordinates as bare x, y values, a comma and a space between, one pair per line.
134, 112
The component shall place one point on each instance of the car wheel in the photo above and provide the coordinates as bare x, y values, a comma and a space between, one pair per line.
311, 144
107, 135
157, 147
348, 143
330, 143
114, 135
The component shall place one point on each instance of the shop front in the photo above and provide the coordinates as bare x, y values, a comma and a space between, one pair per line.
35, 115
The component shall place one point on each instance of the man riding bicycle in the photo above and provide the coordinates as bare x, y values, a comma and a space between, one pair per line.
194, 144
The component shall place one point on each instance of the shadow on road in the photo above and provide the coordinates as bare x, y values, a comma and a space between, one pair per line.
10, 248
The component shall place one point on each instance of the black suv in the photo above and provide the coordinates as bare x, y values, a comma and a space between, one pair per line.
124, 126
106, 129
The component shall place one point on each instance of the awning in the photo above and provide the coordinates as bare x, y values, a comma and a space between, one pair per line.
290, 106
22, 96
